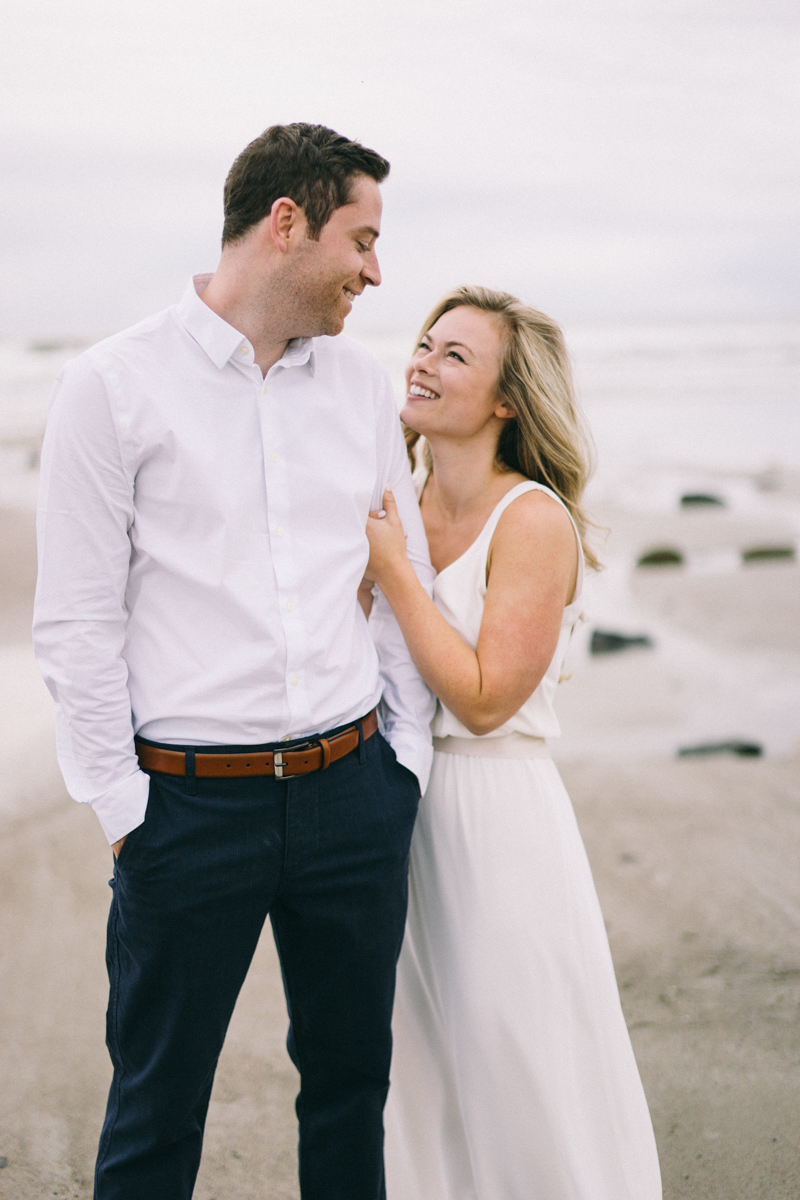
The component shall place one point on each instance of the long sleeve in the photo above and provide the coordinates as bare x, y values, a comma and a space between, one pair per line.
407, 705
201, 538
85, 512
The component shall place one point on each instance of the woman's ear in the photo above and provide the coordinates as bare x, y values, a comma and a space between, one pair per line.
503, 411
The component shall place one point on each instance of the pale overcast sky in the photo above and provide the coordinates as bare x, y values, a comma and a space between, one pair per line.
602, 159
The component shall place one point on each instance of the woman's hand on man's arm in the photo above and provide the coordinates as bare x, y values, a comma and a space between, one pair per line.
532, 570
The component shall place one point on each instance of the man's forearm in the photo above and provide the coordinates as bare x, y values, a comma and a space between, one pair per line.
85, 510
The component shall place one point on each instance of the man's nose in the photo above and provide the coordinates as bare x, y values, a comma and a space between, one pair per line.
371, 272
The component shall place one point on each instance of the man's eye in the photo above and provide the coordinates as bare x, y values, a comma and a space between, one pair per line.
362, 247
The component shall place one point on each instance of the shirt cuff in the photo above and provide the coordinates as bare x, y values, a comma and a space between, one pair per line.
412, 752
123, 807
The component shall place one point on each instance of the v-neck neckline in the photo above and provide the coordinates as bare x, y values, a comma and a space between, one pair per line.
475, 541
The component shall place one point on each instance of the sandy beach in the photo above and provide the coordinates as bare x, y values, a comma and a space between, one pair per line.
694, 860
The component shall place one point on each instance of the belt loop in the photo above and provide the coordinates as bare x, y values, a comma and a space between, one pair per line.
362, 754
191, 779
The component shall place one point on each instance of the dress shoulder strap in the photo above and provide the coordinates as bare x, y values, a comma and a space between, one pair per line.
487, 532
530, 486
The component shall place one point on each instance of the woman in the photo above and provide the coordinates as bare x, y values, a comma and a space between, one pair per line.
513, 1074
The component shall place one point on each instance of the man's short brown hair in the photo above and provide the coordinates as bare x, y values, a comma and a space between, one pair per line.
310, 164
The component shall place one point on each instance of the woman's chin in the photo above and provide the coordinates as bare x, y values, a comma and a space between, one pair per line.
411, 416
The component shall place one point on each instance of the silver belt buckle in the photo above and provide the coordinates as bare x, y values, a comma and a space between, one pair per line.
277, 762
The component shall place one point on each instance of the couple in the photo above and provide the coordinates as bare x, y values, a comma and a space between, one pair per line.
254, 747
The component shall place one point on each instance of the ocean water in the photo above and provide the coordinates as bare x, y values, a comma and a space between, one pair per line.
672, 409
689, 397
713, 396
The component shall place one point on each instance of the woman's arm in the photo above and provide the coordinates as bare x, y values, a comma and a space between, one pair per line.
364, 596
532, 571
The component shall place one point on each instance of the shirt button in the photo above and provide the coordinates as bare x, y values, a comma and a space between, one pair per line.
274, 456
286, 738
243, 350
295, 680
289, 606
279, 531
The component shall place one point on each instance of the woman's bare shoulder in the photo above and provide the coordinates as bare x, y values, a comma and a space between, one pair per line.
535, 541
534, 516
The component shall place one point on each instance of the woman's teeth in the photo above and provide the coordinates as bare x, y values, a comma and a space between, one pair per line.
416, 390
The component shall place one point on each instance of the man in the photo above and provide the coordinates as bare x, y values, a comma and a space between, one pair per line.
206, 481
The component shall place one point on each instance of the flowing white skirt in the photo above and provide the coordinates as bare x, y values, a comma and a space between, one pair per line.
513, 1075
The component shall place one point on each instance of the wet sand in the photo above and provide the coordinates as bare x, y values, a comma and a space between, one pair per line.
695, 862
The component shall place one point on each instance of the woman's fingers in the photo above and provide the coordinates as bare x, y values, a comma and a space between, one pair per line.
390, 510
389, 506
391, 525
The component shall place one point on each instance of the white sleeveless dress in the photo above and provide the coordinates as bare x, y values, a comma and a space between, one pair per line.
513, 1076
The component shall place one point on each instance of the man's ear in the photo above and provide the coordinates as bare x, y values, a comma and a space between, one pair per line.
286, 221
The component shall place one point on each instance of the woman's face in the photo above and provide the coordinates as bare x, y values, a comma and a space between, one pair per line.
451, 382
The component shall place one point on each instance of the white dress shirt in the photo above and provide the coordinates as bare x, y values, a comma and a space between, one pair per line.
201, 541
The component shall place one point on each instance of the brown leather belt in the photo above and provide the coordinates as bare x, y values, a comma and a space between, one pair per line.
315, 755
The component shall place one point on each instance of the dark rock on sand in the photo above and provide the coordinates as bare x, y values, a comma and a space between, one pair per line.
606, 642
743, 749
661, 556
701, 500
769, 554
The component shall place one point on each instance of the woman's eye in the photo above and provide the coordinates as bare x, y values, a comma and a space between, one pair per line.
452, 354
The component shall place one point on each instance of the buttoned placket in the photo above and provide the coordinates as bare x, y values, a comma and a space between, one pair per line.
276, 447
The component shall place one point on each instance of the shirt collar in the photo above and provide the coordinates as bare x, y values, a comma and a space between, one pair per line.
221, 341
298, 352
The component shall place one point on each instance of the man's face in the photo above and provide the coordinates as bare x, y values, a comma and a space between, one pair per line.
330, 273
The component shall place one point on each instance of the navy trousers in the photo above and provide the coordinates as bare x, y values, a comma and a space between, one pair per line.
326, 856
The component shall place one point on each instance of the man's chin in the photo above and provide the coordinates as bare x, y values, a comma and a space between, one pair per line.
329, 327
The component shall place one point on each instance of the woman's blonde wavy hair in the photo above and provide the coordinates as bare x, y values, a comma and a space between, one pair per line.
545, 440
